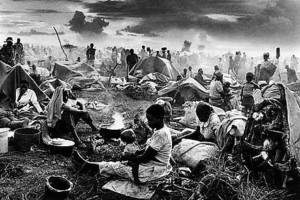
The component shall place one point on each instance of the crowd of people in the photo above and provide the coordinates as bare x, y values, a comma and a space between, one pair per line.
63, 111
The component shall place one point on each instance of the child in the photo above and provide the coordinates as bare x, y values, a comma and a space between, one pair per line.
128, 136
247, 92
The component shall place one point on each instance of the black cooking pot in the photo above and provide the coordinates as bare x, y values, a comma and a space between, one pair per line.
57, 188
64, 149
108, 133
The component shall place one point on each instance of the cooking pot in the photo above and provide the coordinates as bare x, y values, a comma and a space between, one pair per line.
57, 188
108, 133
61, 146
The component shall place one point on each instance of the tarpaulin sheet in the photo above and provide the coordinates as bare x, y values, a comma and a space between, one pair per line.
182, 85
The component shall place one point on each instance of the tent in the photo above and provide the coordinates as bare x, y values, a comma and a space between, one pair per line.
155, 64
85, 69
64, 73
10, 80
186, 86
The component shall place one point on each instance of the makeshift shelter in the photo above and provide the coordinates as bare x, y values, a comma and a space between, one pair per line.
10, 80
49, 86
85, 69
155, 64
155, 77
188, 87
64, 73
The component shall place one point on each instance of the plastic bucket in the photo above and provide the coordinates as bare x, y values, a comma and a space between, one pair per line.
4, 140
25, 137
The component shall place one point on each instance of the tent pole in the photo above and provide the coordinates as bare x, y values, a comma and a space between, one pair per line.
60, 42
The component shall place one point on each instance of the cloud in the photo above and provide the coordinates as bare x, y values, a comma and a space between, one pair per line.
256, 19
34, 32
43, 10
80, 25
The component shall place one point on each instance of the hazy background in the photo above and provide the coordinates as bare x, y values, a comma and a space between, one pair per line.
254, 26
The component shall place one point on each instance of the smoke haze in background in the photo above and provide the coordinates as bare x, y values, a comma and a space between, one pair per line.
253, 26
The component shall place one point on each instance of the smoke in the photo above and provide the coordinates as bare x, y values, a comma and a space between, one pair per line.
119, 121
78, 24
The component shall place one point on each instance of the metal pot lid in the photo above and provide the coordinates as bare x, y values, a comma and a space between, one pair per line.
59, 142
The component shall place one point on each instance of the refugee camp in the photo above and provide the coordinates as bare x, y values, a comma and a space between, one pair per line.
149, 99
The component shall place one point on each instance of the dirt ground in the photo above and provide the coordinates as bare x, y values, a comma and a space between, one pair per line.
23, 175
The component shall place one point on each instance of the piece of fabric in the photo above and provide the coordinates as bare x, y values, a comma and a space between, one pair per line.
129, 189
155, 64
191, 152
148, 172
131, 149
161, 141
54, 107
28, 97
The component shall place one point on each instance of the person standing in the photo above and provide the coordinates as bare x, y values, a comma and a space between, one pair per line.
131, 59
231, 67
169, 56
19, 51
247, 93
91, 55
143, 53
7, 52
190, 73
267, 69
291, 74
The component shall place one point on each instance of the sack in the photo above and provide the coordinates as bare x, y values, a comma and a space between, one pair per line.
190, 152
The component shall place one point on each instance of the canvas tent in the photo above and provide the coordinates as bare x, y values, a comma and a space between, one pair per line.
63, 72
85, 69
155, 64
187, 87
10, 81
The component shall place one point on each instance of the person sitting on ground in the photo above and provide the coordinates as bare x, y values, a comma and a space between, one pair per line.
63, 114
216, 92
35, 75
190, 73
208, 125
291, 74
199, 78
7, 119
247, 92
26, 99
154, 161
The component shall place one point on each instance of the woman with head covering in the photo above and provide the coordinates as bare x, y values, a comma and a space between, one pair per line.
216, 92
153, 161
208, 125
63, 116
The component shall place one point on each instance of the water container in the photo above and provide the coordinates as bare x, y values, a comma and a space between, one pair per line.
4, 140
25, 137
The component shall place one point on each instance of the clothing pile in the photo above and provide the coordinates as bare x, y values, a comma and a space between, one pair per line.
271, 137
134, 91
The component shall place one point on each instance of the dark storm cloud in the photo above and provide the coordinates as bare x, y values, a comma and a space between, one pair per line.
263, 19
43, 10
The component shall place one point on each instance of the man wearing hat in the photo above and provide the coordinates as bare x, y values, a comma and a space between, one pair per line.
216, 92
7, 52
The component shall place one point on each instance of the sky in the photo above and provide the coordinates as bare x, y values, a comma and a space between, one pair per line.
254, 26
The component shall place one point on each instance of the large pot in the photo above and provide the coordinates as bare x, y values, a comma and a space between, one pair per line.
24, 138
57, 188
108, 133
62, 147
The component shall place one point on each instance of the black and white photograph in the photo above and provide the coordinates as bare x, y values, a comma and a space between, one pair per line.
149, 100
